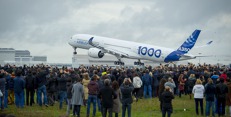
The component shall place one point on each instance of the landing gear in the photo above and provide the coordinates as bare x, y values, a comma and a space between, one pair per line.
139, 63
75, 51
119, 63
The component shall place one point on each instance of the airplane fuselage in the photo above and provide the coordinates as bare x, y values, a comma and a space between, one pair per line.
135, 50
97, 46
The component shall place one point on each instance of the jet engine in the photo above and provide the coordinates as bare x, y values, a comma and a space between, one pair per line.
95, 53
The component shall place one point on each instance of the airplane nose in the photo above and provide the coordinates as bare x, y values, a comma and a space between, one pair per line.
70, 42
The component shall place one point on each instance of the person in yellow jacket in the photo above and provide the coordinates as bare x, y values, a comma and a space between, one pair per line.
86, 80
11, 89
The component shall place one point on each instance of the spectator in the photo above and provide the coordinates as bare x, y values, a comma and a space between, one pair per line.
191, 82
2, 88
86, 80
161, 90
51, 88
210, 91
126, 91
166, 99
69, 87
77, 97
107, 94
93, 90
116, 102
29, 88
171, 84
228, 96
62, 91
7, 77
101, 85
19, 85
147, 83
181, 81
155, 88
40, 85
11, 89
215, 77
223, 75
198, 91
221, 90
137, 83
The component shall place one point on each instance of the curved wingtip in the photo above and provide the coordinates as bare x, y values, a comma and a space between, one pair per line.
209, 42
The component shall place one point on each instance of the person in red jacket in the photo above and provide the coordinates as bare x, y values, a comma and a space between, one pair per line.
93, 90
224, 76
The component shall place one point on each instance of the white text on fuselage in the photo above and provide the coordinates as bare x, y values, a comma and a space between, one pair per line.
83, 42
183, 49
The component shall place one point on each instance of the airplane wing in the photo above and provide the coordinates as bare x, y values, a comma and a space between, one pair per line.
109, 50
186, 57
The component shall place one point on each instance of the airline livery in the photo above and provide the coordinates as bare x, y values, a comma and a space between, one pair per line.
97, 46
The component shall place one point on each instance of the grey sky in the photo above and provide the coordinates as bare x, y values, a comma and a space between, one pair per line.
45, 26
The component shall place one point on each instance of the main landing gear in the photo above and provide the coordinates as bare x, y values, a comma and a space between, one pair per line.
119, 62
75, 52
138, 63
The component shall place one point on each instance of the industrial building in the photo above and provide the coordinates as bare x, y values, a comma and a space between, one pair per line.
19, 57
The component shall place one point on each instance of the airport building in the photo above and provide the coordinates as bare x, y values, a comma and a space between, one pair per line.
20, 57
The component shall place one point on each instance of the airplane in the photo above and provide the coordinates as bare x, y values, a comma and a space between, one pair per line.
97, 46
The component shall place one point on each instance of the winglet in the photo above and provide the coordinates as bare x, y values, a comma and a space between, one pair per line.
209, 42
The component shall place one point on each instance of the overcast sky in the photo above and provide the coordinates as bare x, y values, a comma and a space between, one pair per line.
44, 26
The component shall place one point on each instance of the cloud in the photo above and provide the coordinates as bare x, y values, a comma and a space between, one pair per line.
44, 27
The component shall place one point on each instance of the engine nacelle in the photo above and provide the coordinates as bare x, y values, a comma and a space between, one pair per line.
95, 53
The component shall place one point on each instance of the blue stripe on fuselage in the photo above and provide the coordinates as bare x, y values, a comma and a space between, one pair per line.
174, 56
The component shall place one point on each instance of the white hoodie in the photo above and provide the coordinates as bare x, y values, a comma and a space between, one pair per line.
137, 82
198, 91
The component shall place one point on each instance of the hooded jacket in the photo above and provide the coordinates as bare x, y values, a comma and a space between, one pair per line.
93, 88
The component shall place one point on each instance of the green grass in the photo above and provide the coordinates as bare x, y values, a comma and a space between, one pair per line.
142, 108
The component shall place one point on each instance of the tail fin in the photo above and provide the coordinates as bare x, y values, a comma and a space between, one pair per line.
184, 48
189, 43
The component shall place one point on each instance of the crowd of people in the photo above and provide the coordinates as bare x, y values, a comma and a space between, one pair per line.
109, 89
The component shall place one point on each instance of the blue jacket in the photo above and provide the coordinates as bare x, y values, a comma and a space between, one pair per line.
7, 81
11, 83
19, 84
2, 83
147, 79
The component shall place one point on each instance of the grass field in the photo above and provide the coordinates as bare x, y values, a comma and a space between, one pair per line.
142, 108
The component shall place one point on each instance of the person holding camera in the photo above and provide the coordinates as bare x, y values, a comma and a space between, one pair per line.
166, 98
126, 91
171, 84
